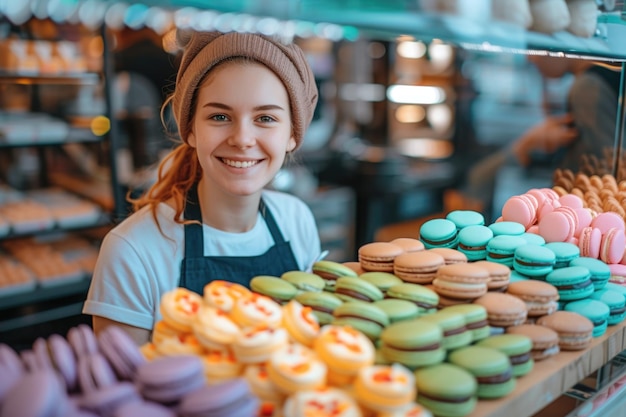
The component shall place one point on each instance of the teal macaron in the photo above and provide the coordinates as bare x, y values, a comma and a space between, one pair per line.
473, 241
276, 288
533, 238
533, 260
398, 310
322, 304
616, 302
595, 310
492, 369
446, 390
572, 282
382, 280
600, 271
356, 289
413, 343
565, 252
507, 228
465, 218
517, 347
501, 248
364, 317
424, 298
452, 323
475, 316
438, 233
304, 281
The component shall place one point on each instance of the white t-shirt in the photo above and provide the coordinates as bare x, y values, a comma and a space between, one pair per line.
137, 264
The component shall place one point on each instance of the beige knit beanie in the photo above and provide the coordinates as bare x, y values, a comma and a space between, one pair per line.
204, 50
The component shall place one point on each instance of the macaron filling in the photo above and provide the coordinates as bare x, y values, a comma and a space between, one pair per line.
496, 379
353, 294
354, 316
422, 304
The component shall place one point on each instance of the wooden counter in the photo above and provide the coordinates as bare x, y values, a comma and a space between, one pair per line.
552, 377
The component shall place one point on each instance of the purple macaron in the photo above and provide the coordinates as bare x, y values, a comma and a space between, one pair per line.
121, 351
10, 359
37, 394
83, 340
143, 408
232, 398
168, 378
107, 400
63, 359
94, 373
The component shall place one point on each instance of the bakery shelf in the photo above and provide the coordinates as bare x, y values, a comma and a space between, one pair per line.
103, 219
552, 377
87, 78
74, 135
42, 294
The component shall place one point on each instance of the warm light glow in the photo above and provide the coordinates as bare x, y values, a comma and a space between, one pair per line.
362, 92
416, 94
410, 113
100, 125
441, 55
412, 50
440, 117
426, 148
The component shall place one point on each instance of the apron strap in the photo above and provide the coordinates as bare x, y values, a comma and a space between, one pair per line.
271, 223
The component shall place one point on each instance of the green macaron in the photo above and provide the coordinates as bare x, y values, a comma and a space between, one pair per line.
330, 271
365, 317
323, 304
446, 390
517, 347
398, 310
276, 288
356, 289
413, 343
382, 280
492, 369
304, 281
425, 298
452, 323
475, 319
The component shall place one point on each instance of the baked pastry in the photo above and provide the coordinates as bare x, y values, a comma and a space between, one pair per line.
584, 17
549, 16
512, 11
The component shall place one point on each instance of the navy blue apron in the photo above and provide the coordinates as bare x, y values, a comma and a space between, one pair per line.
198, 270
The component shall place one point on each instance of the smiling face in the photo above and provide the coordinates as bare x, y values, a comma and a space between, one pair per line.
241, 128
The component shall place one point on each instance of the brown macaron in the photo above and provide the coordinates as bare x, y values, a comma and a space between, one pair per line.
540, 297
418, 267
574, 330
545, 340
378, 256
451, 256
503, 310
409, 244
461, 281
499, 275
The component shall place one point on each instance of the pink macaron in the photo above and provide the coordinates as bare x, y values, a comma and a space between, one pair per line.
547, 207
584, 220
557, 226
613, 245
571, 200
521, 209
589, 242
607, 220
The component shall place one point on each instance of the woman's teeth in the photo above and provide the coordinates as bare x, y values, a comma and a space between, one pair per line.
239, 164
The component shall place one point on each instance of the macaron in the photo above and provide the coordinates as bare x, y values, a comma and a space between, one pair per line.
503, 310
39, 393
378, 256
357, 289
439, 233
143, 408
323, 304
533, 238
475, 317
461, 281
600, 271
382, 280
499, 275
517, 347
545, 340
608, 220
574, 330
450, 255
452, 323
613, 245
121, 351
615, 300
330, 271
596, 311
540, 297
572, 282
520, 209
501, 248
418, 267
365, 317
589, 242
168, 379
82, 339
557, 226
533, 260
492, 369
465, 218
507, 228
409, 244
304, 281
424, 298
473, 242
278, 289
413, 343
446, 389
229, 399
398, 310
564, 253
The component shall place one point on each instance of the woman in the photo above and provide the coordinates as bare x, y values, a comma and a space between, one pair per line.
242, 103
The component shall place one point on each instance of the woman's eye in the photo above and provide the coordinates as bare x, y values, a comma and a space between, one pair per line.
266, 119
218, 117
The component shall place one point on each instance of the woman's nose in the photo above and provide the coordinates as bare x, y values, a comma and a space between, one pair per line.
242, 135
